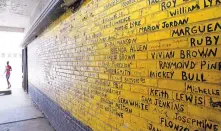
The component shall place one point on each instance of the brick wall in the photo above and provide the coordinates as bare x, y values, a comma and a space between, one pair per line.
60, 119
134, 65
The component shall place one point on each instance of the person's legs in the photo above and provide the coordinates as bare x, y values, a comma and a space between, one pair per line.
7, 77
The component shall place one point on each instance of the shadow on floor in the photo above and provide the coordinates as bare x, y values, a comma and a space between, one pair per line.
18, 113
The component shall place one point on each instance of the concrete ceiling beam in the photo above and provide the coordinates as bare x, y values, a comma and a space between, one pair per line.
12, 29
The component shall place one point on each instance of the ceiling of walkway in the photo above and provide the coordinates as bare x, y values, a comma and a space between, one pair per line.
16, 13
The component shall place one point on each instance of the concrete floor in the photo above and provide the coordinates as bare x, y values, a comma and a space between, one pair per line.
18, 113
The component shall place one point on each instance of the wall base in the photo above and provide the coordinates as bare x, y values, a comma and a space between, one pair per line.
59, 119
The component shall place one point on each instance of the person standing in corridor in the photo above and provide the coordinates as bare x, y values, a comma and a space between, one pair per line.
8, 70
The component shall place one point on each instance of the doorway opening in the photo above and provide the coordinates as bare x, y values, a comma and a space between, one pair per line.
11, 51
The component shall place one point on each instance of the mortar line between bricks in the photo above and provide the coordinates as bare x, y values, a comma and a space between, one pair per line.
21, 120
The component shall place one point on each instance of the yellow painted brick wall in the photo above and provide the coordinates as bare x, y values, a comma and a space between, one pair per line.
134, 65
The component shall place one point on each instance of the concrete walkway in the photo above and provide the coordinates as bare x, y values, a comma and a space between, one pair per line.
18, 113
